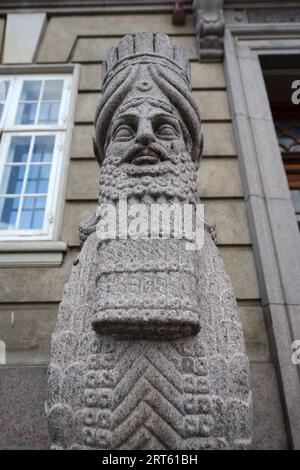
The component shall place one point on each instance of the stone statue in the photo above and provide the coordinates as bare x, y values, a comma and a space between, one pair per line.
148, 351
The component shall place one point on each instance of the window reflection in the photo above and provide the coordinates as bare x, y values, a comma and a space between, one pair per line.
39, 102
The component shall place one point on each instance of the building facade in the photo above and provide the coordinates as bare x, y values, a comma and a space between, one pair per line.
245, 77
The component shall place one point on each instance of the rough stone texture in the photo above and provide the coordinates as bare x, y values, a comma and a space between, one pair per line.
268, 420
34, 284
28, 338
148, 352
104, 370
268, 425
239, 260
22, 37
209, 26
22, 414
150, 291
224, 173
26, 331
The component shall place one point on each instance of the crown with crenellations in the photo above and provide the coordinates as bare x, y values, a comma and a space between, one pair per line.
151, 48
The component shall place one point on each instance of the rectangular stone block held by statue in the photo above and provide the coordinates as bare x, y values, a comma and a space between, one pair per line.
148, 351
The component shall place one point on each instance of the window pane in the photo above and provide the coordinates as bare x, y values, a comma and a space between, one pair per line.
26, 113
8, 212
19, 149
31, 90
38, 179
12, 180
49, 113
52, 90
4, 86
43, 148
32, 216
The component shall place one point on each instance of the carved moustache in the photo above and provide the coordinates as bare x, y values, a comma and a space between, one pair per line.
141, 155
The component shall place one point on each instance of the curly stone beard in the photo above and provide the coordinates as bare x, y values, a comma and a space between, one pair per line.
158, 177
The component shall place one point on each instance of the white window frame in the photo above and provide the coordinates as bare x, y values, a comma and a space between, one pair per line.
9, 129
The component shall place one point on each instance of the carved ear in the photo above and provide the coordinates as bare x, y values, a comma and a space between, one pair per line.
97, 152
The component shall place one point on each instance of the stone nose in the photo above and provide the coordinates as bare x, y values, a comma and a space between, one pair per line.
145, 135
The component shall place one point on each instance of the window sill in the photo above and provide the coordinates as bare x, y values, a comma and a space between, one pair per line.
16, 254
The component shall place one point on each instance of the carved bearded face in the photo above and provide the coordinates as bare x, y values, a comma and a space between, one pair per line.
147, 154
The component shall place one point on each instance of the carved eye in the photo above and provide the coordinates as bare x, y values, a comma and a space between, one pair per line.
123, 133
166, 131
